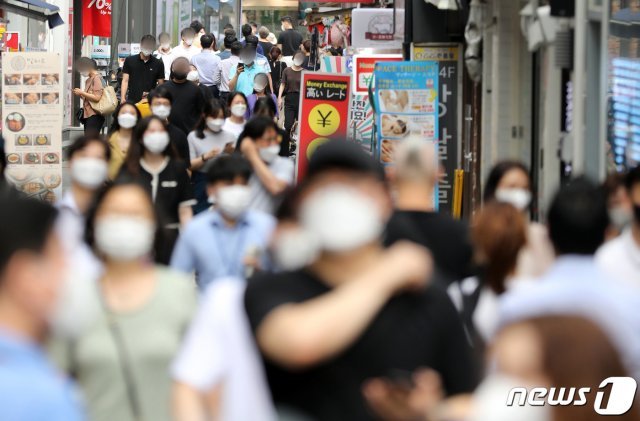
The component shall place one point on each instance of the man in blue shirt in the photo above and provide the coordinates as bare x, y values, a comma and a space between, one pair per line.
229, 240
242, 75
574, 285
32, 268
207, 64
247, 31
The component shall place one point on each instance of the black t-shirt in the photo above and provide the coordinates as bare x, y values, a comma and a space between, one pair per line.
290, 41
187, 105
143, 76
277, 69
266, 47
412, 331
291, 80
173, 189
180, 143
447, 239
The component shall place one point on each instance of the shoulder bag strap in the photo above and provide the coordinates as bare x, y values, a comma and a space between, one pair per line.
123, 357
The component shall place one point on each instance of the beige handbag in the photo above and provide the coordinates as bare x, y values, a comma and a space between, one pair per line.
108, 101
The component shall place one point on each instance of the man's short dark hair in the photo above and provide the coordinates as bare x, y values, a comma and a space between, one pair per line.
27, 225
343, 155
206, 41
160, 92
196, 26
228, 26
149, 38
578, 218
251, 40
228, 167
187, 31
83, 141
286, 19
632, 178
236, 47
246, 30
253, 24
228, 40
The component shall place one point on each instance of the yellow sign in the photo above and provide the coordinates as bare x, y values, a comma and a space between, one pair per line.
314, 144
324, 119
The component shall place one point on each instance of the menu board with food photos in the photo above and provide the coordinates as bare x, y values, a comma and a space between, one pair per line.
32, 122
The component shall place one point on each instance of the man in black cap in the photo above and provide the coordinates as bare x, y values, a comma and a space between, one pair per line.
357, 315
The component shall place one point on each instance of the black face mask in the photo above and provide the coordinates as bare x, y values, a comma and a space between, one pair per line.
179, 75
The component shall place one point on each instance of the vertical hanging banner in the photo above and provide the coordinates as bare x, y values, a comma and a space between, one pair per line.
406, 104
325, 100
32, 121
96, 18
449, 59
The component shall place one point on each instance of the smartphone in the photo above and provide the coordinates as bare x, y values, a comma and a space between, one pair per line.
403, 379
240, 67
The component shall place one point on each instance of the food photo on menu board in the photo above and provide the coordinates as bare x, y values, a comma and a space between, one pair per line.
32, 121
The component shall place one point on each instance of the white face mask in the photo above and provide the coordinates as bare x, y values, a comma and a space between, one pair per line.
238, 110
89, 172
298, 61
146, 52
84, 73
283, 28
193, 76
269, 154
518, 198
77, 306
215, 124
233, 201
162, 111
124, 238
165, 46
259, 86
341, 218
156, 142
294, 249
127, 121
188, 41
620, 217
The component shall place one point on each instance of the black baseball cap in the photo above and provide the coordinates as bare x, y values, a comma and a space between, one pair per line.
343, 155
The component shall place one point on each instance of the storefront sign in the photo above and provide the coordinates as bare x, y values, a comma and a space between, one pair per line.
324, 111
32, 120
406, 104
100, 51
96, 18
449, 58
375, 28
363, 66
11, 41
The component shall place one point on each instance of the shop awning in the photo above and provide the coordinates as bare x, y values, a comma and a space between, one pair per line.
34, 9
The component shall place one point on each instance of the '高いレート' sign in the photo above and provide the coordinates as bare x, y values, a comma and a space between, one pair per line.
324, 113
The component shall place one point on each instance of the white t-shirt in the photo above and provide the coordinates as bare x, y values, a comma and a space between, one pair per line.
181, 51
261, 200
219, 349
233, 128
167, 59
210, 141
620, 258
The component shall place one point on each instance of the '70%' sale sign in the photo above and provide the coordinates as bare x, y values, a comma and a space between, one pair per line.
325, 99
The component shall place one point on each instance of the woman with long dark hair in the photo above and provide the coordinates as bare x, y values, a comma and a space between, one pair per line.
121, 357
237, 106
153, 162
206, 143
265, 107
127, 116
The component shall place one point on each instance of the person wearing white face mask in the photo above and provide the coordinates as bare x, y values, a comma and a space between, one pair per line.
141, 72
219, 243
207, 142
122, 358
273, 174
509, 182
32, 272
354, 305
127, 116
237, 106
93, 88
88, 163
289, 93
261, 89
161, 103
152, 161
186, 48
164, 52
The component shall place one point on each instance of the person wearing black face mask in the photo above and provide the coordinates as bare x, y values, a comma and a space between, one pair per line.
188, 100
621, 256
